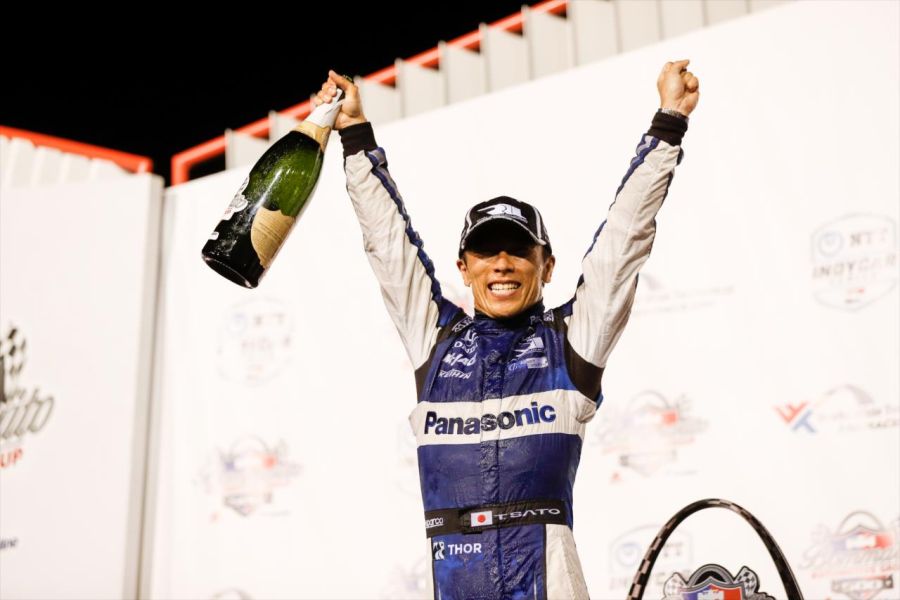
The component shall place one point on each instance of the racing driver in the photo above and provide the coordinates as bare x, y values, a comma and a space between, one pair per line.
504, 394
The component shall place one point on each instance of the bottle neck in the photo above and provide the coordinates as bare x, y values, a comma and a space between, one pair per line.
324, 115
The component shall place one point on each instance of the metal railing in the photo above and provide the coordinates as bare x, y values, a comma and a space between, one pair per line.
184, 161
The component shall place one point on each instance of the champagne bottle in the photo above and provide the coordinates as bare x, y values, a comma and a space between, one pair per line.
271, 199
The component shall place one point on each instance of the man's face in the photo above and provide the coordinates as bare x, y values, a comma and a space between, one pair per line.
502, 252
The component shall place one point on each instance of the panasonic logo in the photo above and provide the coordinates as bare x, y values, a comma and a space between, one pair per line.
488, 422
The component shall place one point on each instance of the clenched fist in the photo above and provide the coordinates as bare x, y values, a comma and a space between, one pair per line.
351, 109
678, 88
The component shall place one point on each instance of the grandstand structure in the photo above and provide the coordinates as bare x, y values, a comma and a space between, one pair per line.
540, 40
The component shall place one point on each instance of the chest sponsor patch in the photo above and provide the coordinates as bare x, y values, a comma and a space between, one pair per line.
530, 415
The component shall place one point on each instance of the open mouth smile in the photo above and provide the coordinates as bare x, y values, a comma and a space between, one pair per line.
503, 290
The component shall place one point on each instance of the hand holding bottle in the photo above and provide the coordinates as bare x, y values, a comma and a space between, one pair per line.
351, 109
278, 188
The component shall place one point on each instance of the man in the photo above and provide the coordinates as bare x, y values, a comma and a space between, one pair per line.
504, 395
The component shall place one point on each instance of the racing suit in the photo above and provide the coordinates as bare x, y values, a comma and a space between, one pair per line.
503, 403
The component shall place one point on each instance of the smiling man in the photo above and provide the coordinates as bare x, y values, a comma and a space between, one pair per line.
504, 394
505, 256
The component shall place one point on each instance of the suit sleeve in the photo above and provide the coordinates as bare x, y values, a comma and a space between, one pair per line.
405, 273
597, 313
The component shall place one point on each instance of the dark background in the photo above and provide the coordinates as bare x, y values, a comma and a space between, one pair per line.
157, 84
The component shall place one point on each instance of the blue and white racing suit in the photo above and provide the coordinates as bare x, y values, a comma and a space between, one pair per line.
503, 403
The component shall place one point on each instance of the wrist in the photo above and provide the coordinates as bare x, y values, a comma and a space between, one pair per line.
668, 127
674, 113
356, 137
351, 123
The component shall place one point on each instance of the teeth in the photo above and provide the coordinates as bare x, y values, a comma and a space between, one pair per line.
504, 286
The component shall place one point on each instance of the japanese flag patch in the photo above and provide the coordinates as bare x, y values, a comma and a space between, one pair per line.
482, 518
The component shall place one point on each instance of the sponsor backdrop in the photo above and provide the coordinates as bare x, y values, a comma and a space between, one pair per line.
759, 364
78, 281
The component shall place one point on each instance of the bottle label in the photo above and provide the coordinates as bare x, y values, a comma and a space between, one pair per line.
238, 203
320, 134
270, 228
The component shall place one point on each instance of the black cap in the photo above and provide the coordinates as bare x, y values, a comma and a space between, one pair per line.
509, 209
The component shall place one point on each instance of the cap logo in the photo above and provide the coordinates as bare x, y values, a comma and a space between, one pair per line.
504, 209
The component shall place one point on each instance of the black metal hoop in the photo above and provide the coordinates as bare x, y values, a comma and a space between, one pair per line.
784, 569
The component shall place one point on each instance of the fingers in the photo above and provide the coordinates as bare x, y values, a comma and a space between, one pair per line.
691, 83
339, 79
329, 88
326, 94
322, 96
678, 66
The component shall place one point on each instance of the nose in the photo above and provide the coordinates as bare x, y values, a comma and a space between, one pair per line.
502, 261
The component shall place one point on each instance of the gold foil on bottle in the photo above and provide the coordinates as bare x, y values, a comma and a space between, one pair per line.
270, 228
320, 134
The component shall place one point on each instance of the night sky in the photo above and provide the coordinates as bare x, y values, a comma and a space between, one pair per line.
161, 83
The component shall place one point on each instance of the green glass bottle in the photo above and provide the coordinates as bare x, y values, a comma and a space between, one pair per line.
271, 199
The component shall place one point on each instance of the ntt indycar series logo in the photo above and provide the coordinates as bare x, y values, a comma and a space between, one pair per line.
854, 260
489, 422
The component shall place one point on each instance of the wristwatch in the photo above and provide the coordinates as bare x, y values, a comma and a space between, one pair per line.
674, 113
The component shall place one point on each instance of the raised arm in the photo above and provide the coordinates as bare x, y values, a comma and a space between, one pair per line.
604, 295
411, 292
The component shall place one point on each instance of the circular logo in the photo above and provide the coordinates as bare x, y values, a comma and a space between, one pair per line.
255, 341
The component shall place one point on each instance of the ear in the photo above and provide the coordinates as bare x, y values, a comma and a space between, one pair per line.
464, 271
548, 268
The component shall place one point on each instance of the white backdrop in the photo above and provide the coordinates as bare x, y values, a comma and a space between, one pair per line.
78, 281
760, 363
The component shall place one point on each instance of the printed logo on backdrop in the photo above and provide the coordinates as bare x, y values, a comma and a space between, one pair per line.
23, 409
231, 594
406, 583
854, 260
858, 559
248, 476
8, 544
843, 408
627, 551
654, 296
648, 433
255, 341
